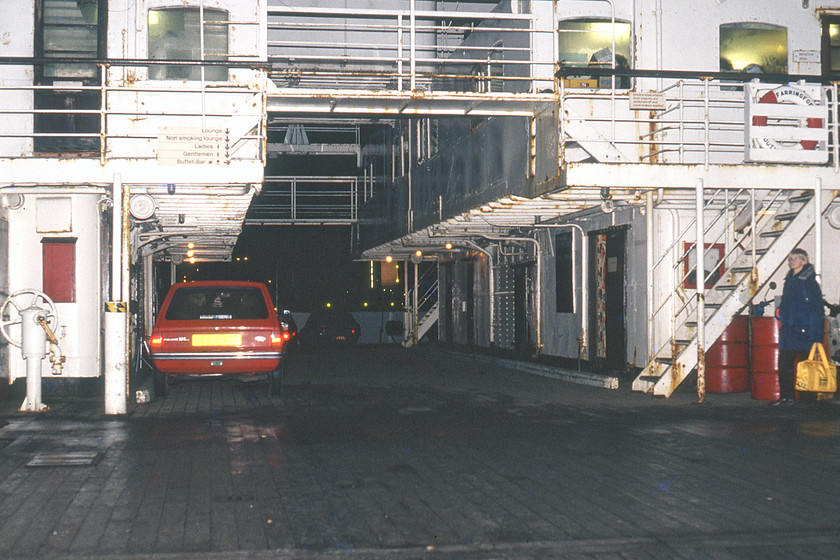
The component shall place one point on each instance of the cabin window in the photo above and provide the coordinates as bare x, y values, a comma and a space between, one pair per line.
753, 47
175, 34
68, 118
831, 47
588, 43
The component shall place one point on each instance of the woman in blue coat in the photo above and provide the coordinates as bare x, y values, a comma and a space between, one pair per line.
803, 319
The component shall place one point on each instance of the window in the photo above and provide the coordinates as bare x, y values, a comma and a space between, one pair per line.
563, 248
212, 303
175, 34
831, 47
753, 47
68, 29
587, 43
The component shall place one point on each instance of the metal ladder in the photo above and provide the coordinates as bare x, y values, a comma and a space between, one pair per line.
780, 225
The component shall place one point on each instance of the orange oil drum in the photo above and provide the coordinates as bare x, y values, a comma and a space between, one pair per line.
764, 358
727, 360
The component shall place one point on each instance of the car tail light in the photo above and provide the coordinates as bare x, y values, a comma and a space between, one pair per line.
156, 341
277, 339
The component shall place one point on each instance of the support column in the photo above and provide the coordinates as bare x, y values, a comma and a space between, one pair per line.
116, 311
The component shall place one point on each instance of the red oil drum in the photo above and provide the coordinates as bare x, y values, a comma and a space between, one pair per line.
727, 360
764, 358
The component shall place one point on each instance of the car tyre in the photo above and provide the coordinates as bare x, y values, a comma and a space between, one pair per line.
275, 380
161, 383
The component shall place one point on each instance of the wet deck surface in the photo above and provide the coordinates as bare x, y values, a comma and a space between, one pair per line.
391, 453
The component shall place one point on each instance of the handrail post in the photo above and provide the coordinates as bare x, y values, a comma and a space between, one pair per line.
399, 52
413, 46
706, 125
700, 279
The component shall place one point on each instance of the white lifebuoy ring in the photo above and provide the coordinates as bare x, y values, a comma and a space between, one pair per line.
793, 95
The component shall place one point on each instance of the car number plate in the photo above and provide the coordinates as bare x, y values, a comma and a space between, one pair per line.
226, 339
341, 337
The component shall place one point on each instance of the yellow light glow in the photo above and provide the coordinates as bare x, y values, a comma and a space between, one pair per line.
418, 253
329, 304
190, 253
190, 245
365, 304
192, 260
389, 258
392, 304
448, 246
245, 258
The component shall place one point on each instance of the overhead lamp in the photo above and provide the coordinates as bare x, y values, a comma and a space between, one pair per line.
389, 258
448, 246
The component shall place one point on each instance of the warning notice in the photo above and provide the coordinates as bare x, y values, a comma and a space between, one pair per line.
193, 146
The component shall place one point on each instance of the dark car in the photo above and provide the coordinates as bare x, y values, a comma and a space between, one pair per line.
330, 327
217, 328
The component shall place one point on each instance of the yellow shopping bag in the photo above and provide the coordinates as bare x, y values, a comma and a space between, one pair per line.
816, 375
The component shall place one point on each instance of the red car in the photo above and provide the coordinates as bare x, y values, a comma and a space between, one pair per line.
217, 328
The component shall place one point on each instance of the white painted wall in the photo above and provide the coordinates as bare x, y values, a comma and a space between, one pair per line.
79, 322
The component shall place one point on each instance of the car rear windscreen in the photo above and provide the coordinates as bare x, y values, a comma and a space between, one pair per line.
209, 303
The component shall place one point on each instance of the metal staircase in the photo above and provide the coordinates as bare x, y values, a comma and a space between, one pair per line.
427, 309
428, 320
765, 238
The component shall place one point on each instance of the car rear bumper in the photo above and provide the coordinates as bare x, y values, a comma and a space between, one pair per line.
216, 363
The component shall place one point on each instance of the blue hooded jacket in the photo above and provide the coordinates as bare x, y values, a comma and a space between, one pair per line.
801, 311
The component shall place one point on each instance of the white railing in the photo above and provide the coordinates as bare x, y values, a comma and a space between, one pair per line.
408, 50
307, 200
126, 118
699, 121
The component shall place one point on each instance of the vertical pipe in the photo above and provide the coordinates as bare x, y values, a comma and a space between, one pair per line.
410, 165
406, 303
414, 317
818, 229
201, 54
706, 124
399, 52
584, 294
148, 292
116, 238
649, 255
753, 235
413, 47
700, 279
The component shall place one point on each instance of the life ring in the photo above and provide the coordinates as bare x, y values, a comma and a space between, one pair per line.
787, 94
